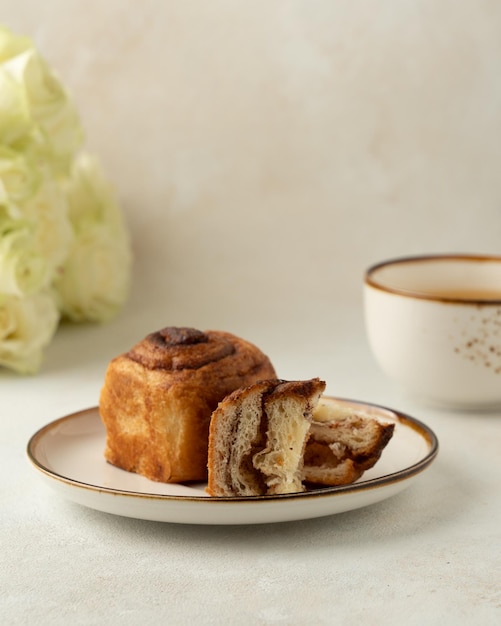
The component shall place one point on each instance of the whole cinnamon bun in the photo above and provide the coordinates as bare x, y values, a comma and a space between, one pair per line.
157, 399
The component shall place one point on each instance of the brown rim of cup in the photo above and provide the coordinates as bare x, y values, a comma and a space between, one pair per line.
410, 293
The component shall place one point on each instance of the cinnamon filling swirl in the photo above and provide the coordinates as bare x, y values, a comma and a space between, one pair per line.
175, 348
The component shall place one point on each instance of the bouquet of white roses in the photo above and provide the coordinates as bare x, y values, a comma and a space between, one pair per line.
64, 248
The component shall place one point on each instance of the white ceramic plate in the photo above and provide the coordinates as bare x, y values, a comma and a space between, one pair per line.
68, 453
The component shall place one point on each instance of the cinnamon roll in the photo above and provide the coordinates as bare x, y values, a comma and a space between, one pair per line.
157, 399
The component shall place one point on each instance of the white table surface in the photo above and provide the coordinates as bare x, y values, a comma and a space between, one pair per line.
430, 555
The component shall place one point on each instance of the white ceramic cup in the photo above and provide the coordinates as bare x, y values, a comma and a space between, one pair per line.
434, 325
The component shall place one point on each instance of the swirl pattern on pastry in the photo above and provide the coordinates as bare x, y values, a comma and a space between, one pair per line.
181, 348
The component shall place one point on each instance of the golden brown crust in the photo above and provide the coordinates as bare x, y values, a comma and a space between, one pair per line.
157, 399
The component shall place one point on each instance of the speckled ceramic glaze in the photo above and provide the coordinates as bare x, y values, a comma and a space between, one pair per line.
434, 325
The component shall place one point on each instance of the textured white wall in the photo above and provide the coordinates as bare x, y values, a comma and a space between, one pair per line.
266, 152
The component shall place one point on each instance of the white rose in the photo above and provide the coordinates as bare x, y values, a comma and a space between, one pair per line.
12, 45
56, 133
27, 325
90, 196
47, 215
51, 109
22, 270
95, 281
19, 180
16, 124
64, 248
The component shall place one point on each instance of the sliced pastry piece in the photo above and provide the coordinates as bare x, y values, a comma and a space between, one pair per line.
257, 438
343, 444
